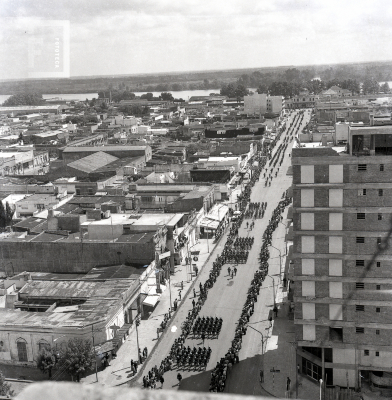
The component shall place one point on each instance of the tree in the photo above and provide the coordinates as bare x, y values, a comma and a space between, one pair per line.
24, 99
9, 213
5, 388
370, 86
262, 88
77, 357
3, 217
166, 96
234, 90
385, 87
147, 96
46, 361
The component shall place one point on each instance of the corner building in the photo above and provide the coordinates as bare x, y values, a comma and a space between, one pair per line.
342, 255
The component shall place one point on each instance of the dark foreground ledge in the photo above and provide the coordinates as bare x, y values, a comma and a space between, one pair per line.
77, 391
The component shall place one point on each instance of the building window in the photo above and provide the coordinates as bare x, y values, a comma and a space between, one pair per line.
22, 350
360, 239
362, 167
378, 264
360, 263
362, 192
380, 192
378, 309
77, 192
382, 167
378, 241
361, 216
377, 331
359, 285
312, 370
366, 352
359, 330
359, 308
379, 217
377, 354
378, 287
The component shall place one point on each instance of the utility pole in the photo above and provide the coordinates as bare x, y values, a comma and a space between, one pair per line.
96, 367
137, 323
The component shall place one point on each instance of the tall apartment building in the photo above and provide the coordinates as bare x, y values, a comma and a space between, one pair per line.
342, 204
263, 104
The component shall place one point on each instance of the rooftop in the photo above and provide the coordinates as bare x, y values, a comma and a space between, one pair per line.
93, 162
74, 149
102, 301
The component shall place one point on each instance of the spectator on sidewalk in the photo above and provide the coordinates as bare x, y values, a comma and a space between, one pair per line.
193, 303
235, 271
275, 309
228, 271
162, 381
261, 376
194, 292
145, 352
179, 295
179, 378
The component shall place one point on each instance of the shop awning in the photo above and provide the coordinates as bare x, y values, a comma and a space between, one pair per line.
151, 300
290, 234
209, 223
139, 300
218, 212
290, 212
104, 347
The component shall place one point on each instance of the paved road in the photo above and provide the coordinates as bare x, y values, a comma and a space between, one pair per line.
245, 376
226, 300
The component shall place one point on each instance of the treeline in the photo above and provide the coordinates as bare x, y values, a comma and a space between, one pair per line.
24, 99
118, 95
291, 81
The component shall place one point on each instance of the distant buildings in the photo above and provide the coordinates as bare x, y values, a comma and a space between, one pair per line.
16, 110
303, 100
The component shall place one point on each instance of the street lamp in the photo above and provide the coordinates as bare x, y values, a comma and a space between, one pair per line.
321, 389
208, 247
137, 323
190, 258
280, 261
273, 288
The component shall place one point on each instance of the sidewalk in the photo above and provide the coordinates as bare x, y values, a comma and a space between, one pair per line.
280, 348
119, 371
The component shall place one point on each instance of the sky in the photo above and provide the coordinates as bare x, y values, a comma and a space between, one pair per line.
112, 37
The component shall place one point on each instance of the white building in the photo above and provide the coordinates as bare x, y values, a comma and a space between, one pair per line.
255, 104
263, 104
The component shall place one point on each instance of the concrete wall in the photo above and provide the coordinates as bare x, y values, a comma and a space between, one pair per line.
76, 391
65, 257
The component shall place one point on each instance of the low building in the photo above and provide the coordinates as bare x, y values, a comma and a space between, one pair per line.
29, 205
303, 100
46, 311
72, 153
